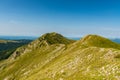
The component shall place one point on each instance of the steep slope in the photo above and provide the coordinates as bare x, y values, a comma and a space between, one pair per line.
49, 58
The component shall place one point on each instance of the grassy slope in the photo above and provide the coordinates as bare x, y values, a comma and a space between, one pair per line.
81, 62
94, 58
98, 41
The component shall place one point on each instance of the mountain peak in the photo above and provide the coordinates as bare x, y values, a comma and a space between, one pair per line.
53, 38
52, 34
98, 41
49, 39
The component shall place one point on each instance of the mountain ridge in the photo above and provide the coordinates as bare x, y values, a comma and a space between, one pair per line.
84, 59
43, 41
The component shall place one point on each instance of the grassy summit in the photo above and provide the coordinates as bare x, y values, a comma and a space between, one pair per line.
54, 57
98, 41
55, 38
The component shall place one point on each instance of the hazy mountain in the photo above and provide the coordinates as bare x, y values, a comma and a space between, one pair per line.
74, 38
117, 40
17, 37
54, 57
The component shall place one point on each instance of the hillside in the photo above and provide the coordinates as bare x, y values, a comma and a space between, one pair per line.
9, 46
54, 57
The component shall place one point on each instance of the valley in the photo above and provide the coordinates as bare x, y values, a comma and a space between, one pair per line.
9, 46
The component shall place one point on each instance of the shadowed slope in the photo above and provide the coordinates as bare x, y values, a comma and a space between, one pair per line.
7, 47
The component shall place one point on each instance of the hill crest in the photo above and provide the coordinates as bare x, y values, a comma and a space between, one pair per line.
98, 41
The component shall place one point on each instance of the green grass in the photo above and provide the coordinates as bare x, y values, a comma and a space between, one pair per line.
98, 41
54, 57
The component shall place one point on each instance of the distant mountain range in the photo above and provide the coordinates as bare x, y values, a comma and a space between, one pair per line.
117, 40
17, 37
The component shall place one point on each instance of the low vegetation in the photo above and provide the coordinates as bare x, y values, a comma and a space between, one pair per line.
54, 57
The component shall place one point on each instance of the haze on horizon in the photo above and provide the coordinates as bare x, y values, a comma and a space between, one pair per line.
71, 18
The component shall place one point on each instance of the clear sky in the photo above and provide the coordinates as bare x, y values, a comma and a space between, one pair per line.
71, 18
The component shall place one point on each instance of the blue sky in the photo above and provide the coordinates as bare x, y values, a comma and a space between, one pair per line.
73, 18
